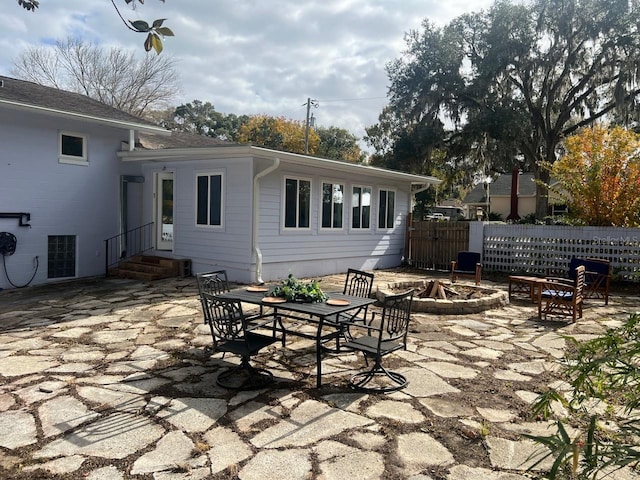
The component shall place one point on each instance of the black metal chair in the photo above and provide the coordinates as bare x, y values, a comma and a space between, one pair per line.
467, 265
230, 332
214, 283
382, 338
358, 284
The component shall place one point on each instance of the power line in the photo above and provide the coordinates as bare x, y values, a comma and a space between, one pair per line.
353, 99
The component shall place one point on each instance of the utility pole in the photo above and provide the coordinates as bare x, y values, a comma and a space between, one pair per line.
310, 103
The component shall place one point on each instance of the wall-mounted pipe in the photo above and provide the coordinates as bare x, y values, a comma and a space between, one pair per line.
22, 217
256, 219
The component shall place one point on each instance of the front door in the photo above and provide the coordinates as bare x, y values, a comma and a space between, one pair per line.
164, 211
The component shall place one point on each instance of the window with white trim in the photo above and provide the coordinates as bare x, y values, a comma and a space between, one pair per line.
209, 196
297, 202
72, 148
361, 207
332, 205
386, 208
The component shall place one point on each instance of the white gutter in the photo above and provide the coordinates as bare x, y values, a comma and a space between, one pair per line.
255, 215
422, 188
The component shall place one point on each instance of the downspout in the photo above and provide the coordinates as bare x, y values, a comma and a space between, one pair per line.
255, 221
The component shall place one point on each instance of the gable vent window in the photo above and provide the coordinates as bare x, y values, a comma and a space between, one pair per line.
72, 148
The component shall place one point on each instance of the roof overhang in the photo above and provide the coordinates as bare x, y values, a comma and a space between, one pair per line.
247, 151
140, 127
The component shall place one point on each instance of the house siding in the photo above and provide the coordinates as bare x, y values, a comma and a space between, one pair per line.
304, 252
209, 248
316, 251
63, 199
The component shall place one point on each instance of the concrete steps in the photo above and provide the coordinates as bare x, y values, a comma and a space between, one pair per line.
150, 267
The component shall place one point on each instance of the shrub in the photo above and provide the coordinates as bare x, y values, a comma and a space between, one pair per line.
604, 370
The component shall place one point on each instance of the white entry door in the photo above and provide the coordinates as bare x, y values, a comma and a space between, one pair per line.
164, 211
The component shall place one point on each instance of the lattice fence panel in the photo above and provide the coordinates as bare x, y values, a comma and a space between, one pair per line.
546, 249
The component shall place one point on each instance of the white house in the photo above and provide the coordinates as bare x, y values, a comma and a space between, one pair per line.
498, 196
83, 172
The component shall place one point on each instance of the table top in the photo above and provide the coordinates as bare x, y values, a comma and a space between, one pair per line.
320, 309
525, 278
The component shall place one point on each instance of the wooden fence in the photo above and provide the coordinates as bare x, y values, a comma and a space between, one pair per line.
433, 244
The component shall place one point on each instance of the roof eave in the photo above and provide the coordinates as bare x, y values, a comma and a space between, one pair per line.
237, 151
87, 118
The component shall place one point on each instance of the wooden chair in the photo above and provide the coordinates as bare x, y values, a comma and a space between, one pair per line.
358, 284
467, 265
379, 339
556, 297
231, 333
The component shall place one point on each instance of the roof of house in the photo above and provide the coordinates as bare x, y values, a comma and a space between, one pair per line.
159, 143
179, 140
501, 186
20, 94
182, 147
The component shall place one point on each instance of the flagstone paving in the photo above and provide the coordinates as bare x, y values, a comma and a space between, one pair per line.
115, 379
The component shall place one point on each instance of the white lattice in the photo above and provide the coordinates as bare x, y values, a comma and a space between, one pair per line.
547, 249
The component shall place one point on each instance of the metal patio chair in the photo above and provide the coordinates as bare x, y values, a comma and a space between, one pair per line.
382, 335
230, 332
359, 284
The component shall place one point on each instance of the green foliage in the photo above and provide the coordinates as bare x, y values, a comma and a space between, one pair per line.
513, 81
603, 370
295, 290
201, 118
338, 144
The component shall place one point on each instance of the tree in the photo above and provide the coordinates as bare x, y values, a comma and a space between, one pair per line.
201, 118
278, 133
155, 32
113, 77
600, 173
522, 76
338, 144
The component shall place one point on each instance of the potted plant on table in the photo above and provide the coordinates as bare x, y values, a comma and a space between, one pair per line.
294, 290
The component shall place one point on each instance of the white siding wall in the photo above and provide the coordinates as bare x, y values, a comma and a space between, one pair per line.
316, 251
308, 252
209, 248
62, 199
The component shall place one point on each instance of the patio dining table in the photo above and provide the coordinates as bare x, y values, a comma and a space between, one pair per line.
313, 313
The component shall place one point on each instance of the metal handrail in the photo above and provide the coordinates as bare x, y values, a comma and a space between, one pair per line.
125, 245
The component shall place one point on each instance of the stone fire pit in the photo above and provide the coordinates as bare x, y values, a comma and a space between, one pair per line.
472, 299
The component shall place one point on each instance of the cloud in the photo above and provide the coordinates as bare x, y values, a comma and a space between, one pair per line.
254, 56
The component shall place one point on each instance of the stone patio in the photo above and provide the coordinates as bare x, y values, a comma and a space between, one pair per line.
114, 379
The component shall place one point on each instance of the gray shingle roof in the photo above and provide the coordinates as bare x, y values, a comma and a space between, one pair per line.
179, 140
501, 186
31, 94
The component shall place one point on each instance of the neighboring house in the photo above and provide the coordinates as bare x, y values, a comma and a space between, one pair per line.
68, 165
499, 194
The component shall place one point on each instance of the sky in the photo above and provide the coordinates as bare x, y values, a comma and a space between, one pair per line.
253, 56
